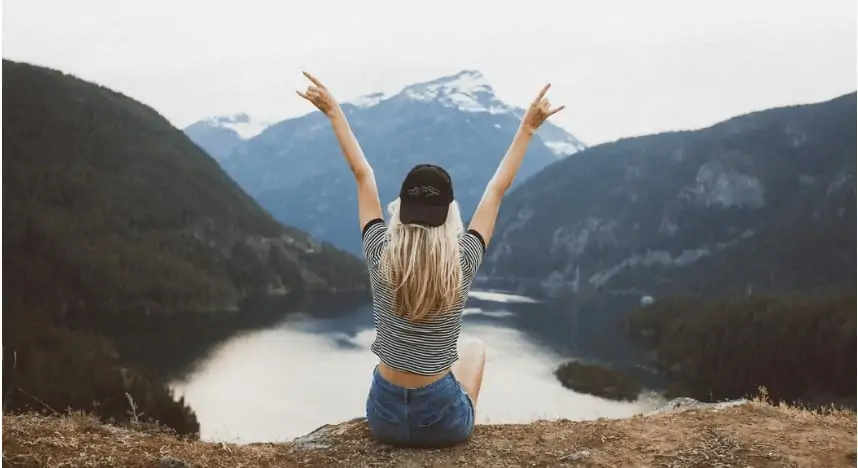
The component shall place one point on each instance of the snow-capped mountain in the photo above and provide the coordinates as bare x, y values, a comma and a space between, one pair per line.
220, 135
469, 91
296, 171
241, 123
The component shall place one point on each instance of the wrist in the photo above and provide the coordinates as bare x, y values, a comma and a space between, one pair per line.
526, 131
336, 113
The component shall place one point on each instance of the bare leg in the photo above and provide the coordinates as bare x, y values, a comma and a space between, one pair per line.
468, 370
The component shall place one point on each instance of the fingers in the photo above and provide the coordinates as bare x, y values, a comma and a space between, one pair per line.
554, 111
311, 92
544, 105
542, 93
313, 96
313, 79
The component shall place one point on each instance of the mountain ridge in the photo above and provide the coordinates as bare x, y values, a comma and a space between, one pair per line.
469, 91
636, 206
83, 123
223, 133
219, 136
454, 121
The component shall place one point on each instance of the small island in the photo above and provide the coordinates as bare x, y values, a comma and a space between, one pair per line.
598, 380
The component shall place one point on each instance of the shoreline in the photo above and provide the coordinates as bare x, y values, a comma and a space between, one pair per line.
176, 355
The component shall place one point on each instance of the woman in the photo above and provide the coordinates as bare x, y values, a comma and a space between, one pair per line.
424, 393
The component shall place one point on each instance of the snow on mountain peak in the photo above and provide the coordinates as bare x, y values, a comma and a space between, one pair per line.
242, 124
566, 146
467, 91
469, 82
369, 100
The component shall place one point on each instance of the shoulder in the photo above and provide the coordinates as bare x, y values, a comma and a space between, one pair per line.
473, 242
373, 228
472, 248
373, 234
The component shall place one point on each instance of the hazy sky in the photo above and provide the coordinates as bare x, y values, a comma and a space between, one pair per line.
622, 68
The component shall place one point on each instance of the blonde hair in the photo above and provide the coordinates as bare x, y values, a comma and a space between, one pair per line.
422, 264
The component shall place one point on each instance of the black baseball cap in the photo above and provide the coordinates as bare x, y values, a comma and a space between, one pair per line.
425, 196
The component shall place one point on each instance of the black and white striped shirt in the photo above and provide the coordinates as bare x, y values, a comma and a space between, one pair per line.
426, 347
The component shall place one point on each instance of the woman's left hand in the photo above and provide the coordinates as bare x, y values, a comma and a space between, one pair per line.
539, 110
319, 96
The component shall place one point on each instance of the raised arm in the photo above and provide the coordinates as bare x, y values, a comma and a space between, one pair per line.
369, 205
486, 214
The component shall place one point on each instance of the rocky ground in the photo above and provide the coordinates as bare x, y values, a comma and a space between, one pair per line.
685, 434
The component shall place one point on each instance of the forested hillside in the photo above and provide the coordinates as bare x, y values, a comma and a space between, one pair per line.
801, 348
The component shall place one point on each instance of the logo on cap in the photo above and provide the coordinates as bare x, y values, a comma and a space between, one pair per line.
423, 190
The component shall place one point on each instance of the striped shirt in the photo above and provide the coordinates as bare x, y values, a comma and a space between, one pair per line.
426, 347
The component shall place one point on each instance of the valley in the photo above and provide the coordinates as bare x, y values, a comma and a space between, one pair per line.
608, 229
134, 249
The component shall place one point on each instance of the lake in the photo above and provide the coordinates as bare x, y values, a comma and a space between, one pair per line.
283, 382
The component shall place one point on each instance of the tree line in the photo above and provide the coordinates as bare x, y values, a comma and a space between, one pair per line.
801, 348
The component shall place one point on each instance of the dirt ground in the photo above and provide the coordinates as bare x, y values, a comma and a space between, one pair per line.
753, 434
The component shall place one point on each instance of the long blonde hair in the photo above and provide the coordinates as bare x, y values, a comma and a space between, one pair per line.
422, 264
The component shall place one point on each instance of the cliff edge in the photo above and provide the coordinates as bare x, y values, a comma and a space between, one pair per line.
747, 434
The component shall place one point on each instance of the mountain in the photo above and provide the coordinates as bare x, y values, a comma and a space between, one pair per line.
109, 211
122, 209
468, 91
220, 135
454, 121
760, 202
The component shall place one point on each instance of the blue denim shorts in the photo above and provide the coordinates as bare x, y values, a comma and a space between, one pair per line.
435, 415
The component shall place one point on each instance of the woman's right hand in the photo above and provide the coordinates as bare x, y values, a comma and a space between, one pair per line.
539, 111
319, 96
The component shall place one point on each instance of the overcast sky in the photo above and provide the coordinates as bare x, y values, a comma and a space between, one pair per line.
622, 68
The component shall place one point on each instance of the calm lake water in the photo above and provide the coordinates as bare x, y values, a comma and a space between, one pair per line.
283, 382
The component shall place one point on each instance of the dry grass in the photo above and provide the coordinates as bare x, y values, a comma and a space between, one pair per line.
754, 434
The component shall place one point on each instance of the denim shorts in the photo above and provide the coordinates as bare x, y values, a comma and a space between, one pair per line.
435, 415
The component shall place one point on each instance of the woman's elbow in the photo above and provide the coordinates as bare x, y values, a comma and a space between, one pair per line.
497, 188
363, 173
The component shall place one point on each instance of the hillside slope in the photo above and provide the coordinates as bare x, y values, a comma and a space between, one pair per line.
761, 202
108, 207
751, 434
